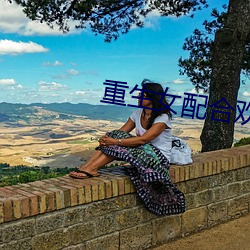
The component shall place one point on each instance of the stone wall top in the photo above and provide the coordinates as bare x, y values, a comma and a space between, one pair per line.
39, 197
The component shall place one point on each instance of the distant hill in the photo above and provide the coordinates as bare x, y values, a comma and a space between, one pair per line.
10, 112
40, 112
93, 112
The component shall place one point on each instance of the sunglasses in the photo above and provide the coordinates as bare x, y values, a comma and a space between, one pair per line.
144, 94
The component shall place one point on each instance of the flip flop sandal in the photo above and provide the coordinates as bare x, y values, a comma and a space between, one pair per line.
87, 175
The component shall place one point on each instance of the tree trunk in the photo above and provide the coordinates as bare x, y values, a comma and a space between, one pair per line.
227, 56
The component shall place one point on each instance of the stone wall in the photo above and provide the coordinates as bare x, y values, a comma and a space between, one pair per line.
105, 212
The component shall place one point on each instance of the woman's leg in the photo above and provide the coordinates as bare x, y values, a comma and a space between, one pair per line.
98, 160
91, 159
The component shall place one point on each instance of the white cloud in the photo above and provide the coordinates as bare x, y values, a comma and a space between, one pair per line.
19, 86
13, 20
73, 72
80, 92
7, 82
15, 48
55, 63
10, 84
178, 81
51, 86
246, 93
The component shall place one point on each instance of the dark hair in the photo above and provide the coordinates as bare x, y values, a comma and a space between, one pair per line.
152, 91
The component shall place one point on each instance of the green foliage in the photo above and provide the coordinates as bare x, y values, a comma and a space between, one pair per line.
198, 67
23, 174
242, 142
109, 17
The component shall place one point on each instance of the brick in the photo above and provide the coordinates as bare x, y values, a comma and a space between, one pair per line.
51, 240
33, 201
129, 217
88, 193
115, 188
177, 174
24, 244
238, 206
204, 197
243, 160
201, 170
190, 202
94, 188
166, 228
235, 161
248, 159
234, 189
41, 201
74, 215
1, 211
132, 188
240, 174
6, 192
7, 209
127, 185
101, 191
95, 191
205, 169
108, 188
66, 195
187, 172
81, 233
78, 184
59, 198
231, 163
220, 193
194, 220
50, 201
182, 174
245, 186
138, 237
49, 222
105, 224
110, 242
18, 230
17, 212
172, 171
217, 213
225, 165
121, 185
210, 168
25, 204
214, 167
247, 173
197, 185
72, 193
96, 209
197, 170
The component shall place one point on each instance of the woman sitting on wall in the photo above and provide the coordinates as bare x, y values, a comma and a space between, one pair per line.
148, 152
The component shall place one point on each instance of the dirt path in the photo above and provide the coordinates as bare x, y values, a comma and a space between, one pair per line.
233, 235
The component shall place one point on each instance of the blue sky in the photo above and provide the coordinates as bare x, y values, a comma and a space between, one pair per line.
38, 64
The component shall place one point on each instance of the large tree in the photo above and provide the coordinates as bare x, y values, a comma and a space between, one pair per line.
227, 57
198, 67
113, 17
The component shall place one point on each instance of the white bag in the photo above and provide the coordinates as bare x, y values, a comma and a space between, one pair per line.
180, 152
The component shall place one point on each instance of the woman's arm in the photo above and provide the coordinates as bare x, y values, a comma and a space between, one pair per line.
151, 134
128, 126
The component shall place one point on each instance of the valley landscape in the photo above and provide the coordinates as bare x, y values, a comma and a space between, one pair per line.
65, 135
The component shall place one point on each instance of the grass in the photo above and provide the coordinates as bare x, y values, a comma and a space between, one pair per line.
23, 174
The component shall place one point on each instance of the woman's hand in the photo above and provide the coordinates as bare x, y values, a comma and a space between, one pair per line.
107, 141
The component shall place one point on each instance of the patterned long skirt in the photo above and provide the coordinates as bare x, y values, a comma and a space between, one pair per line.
149, 173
